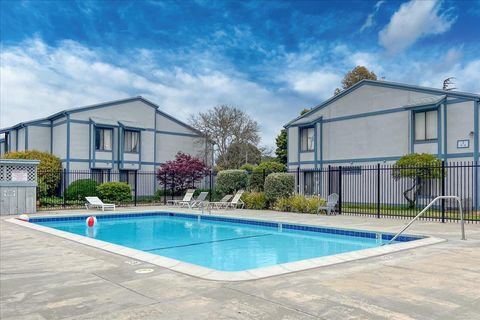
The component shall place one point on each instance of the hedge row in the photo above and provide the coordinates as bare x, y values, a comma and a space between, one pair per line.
116, 192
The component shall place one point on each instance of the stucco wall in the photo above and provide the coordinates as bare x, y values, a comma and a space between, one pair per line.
293, 144
368, 98
460, 123
351, 132
60, 141
39, 138
21, 139
379, 136
79, 148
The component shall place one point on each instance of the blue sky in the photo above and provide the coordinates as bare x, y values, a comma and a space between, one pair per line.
270, 58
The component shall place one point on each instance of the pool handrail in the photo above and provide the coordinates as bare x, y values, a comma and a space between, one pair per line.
462, 222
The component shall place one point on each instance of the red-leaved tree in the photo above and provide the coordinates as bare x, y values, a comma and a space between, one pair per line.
181, 173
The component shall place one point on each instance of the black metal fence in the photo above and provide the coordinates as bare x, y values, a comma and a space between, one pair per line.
388, 191
71, 187
372, 190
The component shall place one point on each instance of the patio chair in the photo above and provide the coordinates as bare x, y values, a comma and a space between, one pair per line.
186, 198
332, 201
201, 199
95, 202
236, 201
218, 204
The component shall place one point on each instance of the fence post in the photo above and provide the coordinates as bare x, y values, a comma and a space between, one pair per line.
135, 193
64, 180
340, 190
210, 185
173, 184
378, 190
298, 179
443, 190
329, 189
165, 188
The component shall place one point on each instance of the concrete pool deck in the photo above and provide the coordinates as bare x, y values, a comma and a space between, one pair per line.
47, 277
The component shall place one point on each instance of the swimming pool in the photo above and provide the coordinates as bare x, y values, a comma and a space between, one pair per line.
220, 243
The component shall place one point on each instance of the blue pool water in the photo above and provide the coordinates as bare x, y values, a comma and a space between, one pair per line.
218, 243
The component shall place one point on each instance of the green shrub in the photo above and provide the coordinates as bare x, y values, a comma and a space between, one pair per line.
230, 181
299, 203
256, 180
283, 204
49, 169
278, 185
248, 167
42, 189
313, 203
255, 200
80, 189
115, 192
272, 166
215, 194
258, 174
161, 192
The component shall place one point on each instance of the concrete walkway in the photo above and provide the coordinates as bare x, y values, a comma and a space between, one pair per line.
46, 277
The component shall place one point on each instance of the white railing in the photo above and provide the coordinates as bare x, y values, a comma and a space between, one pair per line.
462, 222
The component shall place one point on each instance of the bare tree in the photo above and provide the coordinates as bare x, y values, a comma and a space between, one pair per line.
225, 125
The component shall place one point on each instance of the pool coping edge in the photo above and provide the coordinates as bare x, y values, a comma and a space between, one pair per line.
216, 275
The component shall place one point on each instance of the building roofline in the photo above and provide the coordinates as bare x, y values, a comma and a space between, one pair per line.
389, 84
99, 105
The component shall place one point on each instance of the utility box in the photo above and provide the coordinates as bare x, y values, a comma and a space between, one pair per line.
18, 186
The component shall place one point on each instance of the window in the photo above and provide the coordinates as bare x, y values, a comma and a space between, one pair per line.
103, 139
101, 175
130, 141
426, 125
307, 139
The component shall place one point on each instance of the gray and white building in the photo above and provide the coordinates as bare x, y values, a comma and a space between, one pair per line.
126, 135
379, 122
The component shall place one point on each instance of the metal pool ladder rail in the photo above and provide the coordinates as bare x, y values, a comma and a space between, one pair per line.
462, 223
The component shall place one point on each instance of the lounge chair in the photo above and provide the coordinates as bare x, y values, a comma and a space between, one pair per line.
95, 202
186, 198
332, 201
236, 201
222, 202
201, 199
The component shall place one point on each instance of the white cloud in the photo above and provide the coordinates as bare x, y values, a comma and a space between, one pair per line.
369, 21
467, 76
412, 21
38, 80
317, 84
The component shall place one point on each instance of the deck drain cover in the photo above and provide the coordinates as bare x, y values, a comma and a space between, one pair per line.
132, 262
144, 270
